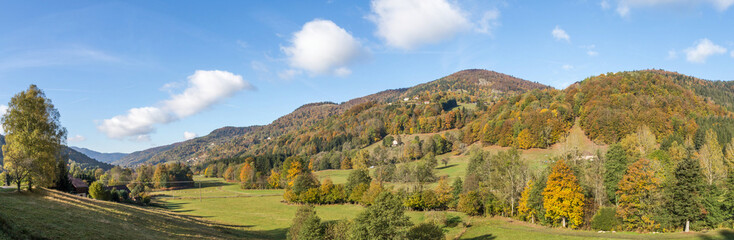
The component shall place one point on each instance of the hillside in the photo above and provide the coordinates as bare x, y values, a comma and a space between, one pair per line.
102, 157
65, 216
487, 106
72, 155
404, 110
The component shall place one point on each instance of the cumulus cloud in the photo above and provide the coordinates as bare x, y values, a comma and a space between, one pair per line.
205, 89
407, 24
76, 138
703, 49
560, 34
3, 110
624, 6
590, 50
322, 47
189, 135
489, 21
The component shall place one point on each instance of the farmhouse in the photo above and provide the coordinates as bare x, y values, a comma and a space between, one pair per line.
81, 188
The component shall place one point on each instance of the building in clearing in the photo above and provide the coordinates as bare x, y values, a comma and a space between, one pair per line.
81, 188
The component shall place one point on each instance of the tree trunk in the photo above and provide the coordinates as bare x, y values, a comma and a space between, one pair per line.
688, 225
30, 184
18, 182
564, 222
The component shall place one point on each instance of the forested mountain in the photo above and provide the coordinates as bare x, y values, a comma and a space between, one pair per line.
102, 157
486, 106
72, 155
326, 125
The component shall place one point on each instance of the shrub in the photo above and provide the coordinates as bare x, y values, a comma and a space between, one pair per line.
425, 231
605, 219
437, 218
337, 230
97, 191
306, 225
471, 204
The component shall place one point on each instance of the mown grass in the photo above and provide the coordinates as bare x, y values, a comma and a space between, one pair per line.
268, 216
499, 228
55, 215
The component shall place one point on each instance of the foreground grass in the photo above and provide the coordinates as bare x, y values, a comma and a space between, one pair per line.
55, 215
504, 228
261, 212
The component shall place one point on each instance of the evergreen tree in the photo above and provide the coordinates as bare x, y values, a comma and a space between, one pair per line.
616, 164
728, 204
685, 201
306, 225
62, 181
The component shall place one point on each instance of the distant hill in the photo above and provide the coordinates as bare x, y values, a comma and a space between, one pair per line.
102, 157
344, 122
73, 155
486, 106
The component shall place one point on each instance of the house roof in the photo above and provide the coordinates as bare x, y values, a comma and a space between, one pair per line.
78, 183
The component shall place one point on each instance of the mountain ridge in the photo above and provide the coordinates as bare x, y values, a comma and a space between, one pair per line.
468, 100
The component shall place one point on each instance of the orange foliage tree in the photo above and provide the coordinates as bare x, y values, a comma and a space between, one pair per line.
562, 197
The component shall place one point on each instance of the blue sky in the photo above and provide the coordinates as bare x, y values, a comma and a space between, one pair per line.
131, 75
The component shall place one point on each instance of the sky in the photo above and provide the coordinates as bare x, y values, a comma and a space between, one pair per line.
131, 75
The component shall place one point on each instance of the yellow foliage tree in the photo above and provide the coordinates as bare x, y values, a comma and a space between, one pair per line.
525, 139
444, 192
562, 197
274, 179
246, 173
637, 196
523, 209
361, 160
293, 171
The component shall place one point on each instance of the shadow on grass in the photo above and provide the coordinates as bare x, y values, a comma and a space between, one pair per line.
483, 237
723, 234
447, 166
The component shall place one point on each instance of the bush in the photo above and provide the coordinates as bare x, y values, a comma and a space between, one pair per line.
605, 219
337, 230
306, 225
437, 218
425, 231
98, 191
471, 204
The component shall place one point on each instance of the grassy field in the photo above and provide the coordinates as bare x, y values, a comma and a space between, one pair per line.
262, 212
498, 228
54, 215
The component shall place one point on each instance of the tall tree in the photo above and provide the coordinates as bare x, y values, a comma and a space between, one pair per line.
686, 201
638, 196
563, 197
711, 158
34, 137
161, 177
615, 165
524, 209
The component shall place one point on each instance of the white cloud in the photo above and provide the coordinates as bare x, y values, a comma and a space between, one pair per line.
672, 54
322, 47
703, 49
732, 53
590, 50
76, 138
489, 21
624, 6
205, 89
407, 24
560, 34
604, 4
567, 67
3, 110
189, 135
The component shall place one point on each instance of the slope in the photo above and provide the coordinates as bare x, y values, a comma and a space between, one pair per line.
102, 157
72, 155
65, 216
324, 126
